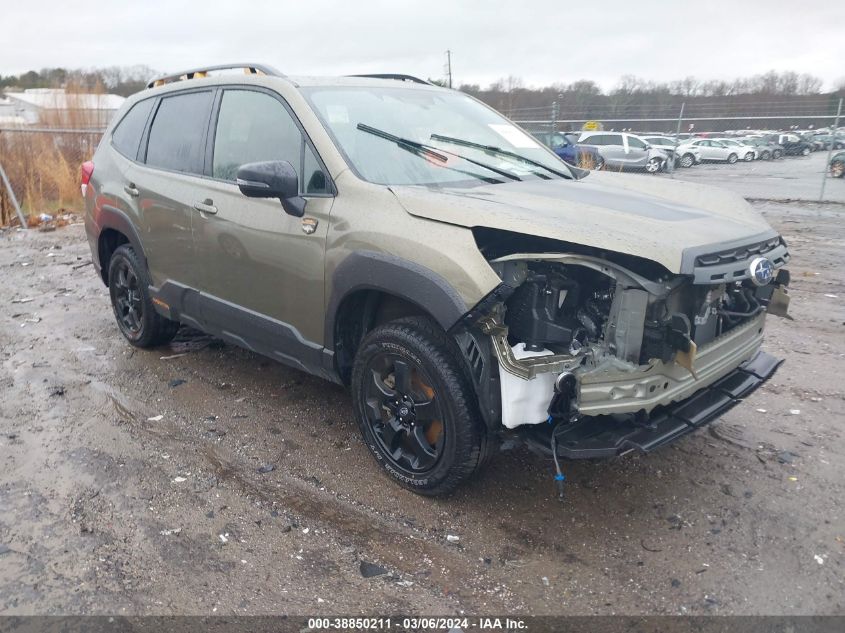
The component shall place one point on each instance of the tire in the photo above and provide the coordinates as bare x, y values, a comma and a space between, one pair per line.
416, 407
599, 164
749, 157
766, 155
777, 154
805, 151
837, 169
653, 165
687, 161
129, 290
732, 158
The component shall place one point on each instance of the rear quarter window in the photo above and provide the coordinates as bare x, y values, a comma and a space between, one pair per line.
127, 135
177, 134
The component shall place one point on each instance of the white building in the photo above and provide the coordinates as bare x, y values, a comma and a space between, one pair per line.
53, 107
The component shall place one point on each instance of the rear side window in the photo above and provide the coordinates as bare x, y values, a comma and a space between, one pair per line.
127, 135
178, 132
635, 142
253, 126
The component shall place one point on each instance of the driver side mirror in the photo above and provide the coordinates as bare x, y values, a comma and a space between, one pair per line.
272, 179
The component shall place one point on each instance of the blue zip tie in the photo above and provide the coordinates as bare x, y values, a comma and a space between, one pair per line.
560, 477
550, 420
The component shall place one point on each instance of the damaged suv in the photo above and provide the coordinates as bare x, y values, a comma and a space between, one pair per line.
409, 242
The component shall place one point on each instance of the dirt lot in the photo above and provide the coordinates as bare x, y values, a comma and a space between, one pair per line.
126, 491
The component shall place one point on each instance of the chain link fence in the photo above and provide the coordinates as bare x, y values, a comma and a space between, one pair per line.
41, 167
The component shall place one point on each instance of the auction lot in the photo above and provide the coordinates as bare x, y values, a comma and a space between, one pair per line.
787, 178
202, 479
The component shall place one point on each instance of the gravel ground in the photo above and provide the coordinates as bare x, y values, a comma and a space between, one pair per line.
202, 479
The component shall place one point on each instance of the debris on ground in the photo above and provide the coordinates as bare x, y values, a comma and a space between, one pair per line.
787, 457
156, 418
171, 531
369, 570
267, 468
819, 559
795, 412
179, 480
176, 382
451, 538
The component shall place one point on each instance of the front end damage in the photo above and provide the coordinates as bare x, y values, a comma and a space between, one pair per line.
600, 354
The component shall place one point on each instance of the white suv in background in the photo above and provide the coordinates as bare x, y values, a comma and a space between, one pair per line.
625, 151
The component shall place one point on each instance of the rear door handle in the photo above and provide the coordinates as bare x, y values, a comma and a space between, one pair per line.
206, 206
132, 190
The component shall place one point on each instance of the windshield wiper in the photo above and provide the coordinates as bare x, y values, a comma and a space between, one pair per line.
499, 152
426, 150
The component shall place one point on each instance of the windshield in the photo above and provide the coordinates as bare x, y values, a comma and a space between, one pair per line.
426, 117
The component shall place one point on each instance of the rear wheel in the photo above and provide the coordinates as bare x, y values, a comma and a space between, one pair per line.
129, 289
732, 159
416, 407
766, 155
805, 151
777, 153
837, 169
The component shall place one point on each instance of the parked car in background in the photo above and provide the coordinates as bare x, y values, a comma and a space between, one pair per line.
793, 145
765, 150
625, 151
744, 151
826, 140
686, 154
837, 165
568, 150
712, 150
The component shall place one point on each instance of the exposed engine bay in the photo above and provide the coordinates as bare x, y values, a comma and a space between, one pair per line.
576, 334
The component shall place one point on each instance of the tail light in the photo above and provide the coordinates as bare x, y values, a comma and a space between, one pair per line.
87, 172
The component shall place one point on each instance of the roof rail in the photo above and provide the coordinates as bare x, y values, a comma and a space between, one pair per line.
395, 76
197, 73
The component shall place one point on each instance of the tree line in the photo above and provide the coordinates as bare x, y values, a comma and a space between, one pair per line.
121, 80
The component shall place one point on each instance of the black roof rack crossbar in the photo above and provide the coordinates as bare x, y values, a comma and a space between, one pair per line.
395, 76
253, 69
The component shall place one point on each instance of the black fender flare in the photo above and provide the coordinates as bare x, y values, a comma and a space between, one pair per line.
370, 270
109, 217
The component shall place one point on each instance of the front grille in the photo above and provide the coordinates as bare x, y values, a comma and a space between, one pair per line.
741, 254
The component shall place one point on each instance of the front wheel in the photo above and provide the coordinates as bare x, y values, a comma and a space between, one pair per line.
749, 157
766, 155
777, 154
805, 151
837, 169
653, 165
129, 290
732, 159
687, 160
599, 164
416, 407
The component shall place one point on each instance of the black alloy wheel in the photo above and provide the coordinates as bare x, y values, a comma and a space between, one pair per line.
404, 414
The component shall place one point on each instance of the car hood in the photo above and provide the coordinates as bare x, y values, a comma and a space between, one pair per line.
649, 217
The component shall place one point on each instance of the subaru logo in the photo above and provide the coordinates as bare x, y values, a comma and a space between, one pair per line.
762, 271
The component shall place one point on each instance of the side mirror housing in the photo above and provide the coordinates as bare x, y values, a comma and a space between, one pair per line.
272, 179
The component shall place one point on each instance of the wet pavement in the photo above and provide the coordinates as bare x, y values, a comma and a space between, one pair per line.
199, 478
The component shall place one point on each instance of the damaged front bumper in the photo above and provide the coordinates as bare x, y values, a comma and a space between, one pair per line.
607, 436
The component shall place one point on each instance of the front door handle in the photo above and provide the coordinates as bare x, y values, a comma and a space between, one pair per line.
206, 206
132, 190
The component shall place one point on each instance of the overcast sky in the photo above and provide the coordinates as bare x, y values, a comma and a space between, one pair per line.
541, 42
